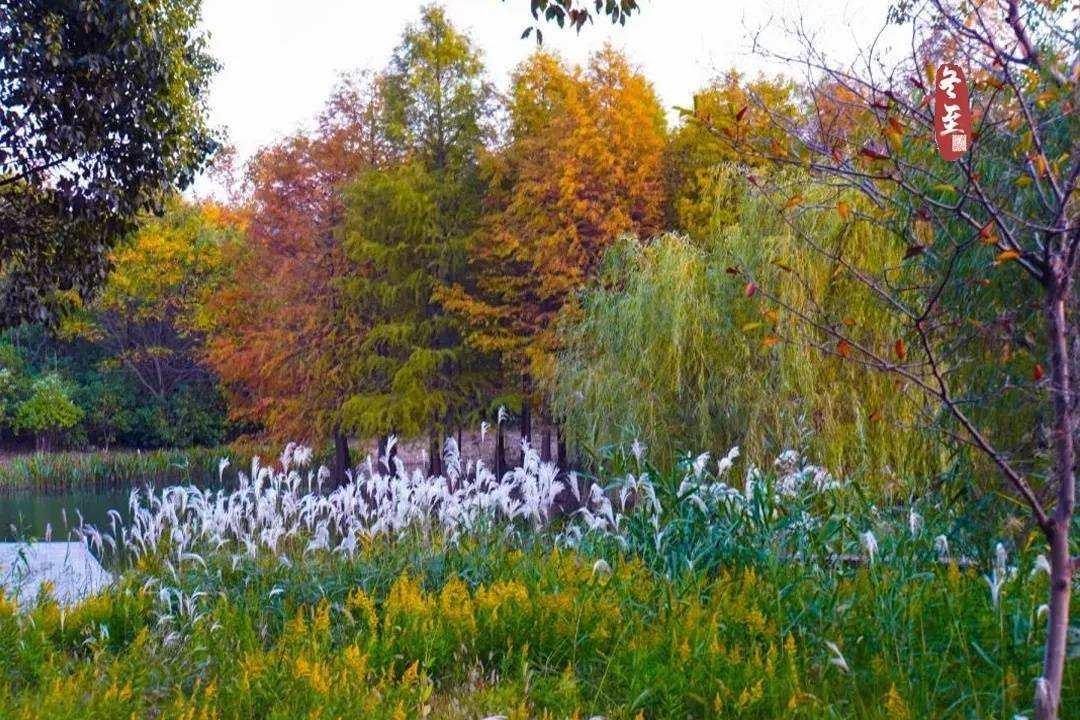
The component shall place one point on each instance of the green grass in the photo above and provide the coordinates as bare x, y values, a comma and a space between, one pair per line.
121, 468
66, 470
472, 630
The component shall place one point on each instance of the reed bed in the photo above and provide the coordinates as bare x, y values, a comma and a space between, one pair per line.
717, 589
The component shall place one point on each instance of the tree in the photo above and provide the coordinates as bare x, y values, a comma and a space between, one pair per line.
667, 351
1005, 214
102, 114
584, 165
48, 411
697, 158
12, 384
148, 315
407, 226
280, 336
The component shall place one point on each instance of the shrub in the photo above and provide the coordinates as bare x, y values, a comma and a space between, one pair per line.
48, 411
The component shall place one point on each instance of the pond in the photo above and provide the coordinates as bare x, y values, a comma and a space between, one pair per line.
28, 514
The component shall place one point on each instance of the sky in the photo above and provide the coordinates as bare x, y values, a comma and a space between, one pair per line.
281, 58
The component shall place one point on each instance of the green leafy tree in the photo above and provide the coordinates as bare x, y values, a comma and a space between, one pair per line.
408, 225
48, 411
148, 318
12, 385
668, 350
102, 114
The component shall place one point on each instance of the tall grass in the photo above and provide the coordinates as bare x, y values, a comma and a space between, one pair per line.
70, 470
714, 590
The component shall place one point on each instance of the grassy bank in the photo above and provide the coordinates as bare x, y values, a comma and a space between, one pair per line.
58, 471
68, 470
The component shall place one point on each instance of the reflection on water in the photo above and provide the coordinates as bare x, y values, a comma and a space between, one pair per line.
28, 515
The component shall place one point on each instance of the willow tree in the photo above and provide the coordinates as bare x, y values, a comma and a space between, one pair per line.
408, 226
669, 351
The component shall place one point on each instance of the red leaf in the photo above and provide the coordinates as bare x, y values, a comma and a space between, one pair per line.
873, 153
750, 289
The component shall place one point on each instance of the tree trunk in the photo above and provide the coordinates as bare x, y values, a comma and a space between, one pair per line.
1048, 688
545, 440
434, 453
560, 441
500, 452
342, 462
526, 426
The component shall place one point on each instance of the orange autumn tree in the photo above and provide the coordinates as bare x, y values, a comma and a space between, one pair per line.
280, 334
703, 200
584, 164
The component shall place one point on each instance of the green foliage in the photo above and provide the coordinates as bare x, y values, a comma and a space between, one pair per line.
392, 225
106, 106
669, 349
407, 226
729, 110
49, 409
12, 385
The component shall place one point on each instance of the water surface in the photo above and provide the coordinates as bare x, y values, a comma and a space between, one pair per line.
30, 514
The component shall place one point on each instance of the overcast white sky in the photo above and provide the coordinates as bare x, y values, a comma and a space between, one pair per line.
281, 57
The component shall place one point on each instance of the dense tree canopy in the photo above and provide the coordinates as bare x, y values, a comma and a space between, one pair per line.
102, 114
407, 227
279, 336
584, 165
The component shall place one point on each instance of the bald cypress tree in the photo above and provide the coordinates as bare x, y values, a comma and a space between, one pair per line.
408, 226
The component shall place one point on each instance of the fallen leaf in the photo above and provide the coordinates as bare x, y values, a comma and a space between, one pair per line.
750, 289
843, 348
914, 250
1037, 372
769, 340
844, 209
1006, 256
793, 201
900, 349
